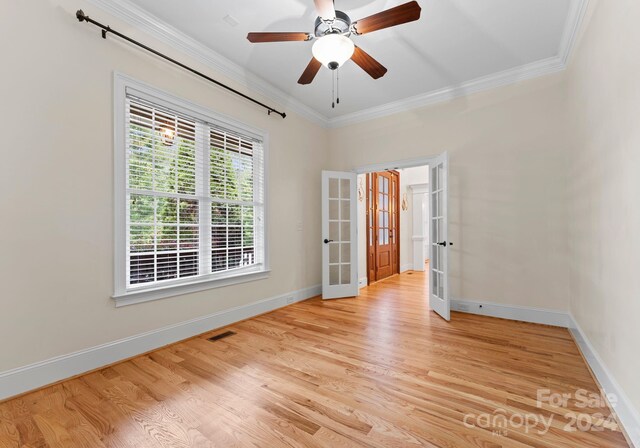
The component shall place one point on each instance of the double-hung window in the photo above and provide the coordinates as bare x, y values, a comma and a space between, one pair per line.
193, 200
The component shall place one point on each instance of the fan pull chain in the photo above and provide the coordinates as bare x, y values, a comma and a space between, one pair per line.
338, 86
333, 90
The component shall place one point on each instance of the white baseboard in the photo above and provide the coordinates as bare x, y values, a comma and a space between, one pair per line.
23, 379
362, 282
628, 415
513, 312
33, 376
406, 267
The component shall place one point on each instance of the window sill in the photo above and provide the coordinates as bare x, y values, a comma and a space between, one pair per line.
146, 295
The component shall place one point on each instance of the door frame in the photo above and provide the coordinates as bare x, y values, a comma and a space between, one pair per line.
396, 165
375, 221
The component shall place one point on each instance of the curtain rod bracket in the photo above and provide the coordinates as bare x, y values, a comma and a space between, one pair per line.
82, 17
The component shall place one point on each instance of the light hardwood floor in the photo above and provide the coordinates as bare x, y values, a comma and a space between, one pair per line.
380, 370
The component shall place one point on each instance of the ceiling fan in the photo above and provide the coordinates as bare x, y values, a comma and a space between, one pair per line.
333, 46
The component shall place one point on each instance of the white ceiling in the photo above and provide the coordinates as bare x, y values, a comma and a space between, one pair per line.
453, 43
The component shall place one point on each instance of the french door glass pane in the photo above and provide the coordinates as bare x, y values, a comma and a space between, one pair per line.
345, 209
345, 274
333, 210
345, 185
334, 274
346, 253
345, 231
334, 231
334, 189
334, 253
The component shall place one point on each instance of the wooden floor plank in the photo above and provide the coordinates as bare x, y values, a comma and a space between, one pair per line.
380, 370
9, 435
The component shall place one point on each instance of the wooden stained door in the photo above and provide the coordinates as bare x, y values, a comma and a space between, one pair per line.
383, 225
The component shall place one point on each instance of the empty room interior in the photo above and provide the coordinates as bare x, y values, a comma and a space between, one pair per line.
319, 223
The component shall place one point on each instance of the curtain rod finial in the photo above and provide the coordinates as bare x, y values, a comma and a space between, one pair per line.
80, 15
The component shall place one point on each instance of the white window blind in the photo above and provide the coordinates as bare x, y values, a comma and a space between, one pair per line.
195, 198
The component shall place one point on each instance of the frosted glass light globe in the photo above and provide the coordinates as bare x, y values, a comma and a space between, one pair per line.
333, 50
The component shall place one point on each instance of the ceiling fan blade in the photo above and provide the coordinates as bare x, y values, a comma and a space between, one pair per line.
391, 17
368, 64
325, 9
277, 37
310, 72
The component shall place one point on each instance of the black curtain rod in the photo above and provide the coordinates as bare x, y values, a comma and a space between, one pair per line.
82, 17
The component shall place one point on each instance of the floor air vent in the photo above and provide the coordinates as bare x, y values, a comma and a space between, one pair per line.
221, 336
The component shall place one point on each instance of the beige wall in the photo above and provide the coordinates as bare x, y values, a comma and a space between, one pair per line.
56, 184
507, 176
604, 187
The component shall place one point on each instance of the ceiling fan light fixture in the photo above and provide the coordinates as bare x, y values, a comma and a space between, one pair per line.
333, 50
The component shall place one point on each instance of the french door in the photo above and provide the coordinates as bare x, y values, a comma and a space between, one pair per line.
339, 244
439, 243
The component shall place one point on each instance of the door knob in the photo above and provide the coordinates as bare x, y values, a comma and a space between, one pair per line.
443, 243
327, 241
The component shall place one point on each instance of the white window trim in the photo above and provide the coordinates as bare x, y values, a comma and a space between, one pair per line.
122, 295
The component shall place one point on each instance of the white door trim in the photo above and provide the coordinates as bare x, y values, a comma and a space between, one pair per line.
397, 165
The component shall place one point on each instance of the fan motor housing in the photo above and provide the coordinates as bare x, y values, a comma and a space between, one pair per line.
340, 25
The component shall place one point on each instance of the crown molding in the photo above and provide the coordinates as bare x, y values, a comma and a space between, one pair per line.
506, 77
165, 33
514, 75
146, 22
577, 11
